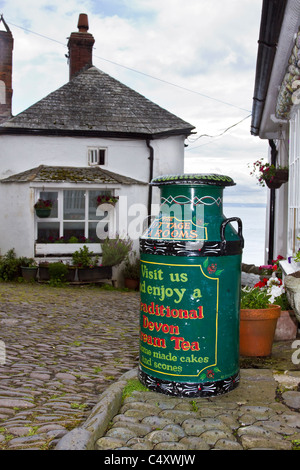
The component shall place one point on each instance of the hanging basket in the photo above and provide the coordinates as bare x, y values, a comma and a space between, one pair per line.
43, 213
281, 176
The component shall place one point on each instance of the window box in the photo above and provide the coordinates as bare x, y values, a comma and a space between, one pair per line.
61, 249
94, 274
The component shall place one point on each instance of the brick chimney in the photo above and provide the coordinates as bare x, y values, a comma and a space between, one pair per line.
80, 46
6, 53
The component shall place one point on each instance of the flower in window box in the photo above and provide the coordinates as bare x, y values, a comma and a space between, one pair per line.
107, 199
43, 207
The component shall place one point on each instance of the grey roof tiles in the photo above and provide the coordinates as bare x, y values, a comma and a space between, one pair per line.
95, 103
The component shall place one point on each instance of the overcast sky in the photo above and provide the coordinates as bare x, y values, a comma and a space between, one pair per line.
195, 58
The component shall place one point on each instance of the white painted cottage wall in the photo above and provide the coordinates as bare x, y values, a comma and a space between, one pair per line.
17, 228
124, 156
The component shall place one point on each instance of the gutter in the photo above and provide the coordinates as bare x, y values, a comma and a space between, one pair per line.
274, 153
151, 165
270, 28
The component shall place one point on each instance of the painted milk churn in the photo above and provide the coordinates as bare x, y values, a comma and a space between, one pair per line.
190, 290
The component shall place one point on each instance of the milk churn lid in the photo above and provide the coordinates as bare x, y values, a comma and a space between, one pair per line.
201, 179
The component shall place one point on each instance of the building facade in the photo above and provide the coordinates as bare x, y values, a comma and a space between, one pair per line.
276, 118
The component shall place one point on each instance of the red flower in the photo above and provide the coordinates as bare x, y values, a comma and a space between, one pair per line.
212, 268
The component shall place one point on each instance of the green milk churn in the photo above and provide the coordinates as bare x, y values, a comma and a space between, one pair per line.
190, 290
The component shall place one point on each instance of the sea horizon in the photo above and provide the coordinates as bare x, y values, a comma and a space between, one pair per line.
253, 217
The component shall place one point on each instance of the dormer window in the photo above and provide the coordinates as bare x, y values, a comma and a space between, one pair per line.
96, 156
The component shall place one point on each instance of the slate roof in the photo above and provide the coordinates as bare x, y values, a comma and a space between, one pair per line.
94, 103
61, 174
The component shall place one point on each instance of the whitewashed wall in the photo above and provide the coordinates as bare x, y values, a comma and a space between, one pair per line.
125, 157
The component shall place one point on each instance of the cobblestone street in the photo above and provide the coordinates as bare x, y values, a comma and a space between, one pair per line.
64, 346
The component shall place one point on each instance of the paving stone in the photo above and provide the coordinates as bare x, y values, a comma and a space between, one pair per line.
257, 442
194, 443
211, 436
121, 433
161, 436
170, 446
227, 444
195, 427
292, 399
139, 429
108, 443
178, 416
156, 422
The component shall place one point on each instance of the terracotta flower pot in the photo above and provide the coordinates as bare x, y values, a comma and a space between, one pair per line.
132, 284
257, 330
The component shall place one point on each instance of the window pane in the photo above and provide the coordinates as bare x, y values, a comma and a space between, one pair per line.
48, 232
52, 196
74, 204
93, 204
74, 229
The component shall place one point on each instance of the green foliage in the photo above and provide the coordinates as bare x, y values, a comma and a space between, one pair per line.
58, 274
9, 266
114, 251
84, 258
131, 269
254, 298
132, 386
27, 262
73, 239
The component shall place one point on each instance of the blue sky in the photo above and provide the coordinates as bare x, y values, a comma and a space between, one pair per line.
197, 59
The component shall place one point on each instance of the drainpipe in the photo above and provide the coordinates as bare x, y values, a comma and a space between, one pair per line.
151, 160
272, 205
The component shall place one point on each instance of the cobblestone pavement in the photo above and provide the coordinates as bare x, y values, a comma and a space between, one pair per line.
247, 418
63, 346
68, 347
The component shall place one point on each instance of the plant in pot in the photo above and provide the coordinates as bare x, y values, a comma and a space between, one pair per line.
43, 207
286, 328
268, 174
260, 309
115, 250
131, 273
87, 265
28, 268
102, 199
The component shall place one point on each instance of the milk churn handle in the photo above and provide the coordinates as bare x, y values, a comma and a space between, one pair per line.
240, 229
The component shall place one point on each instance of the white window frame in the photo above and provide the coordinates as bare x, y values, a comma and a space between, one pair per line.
294, 179
94, 156
49, 248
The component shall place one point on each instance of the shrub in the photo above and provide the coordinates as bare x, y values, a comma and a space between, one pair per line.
84, 258
58, 273
115, 250
9, 266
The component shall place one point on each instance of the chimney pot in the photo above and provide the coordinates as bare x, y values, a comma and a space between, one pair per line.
83, 23
80, 47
